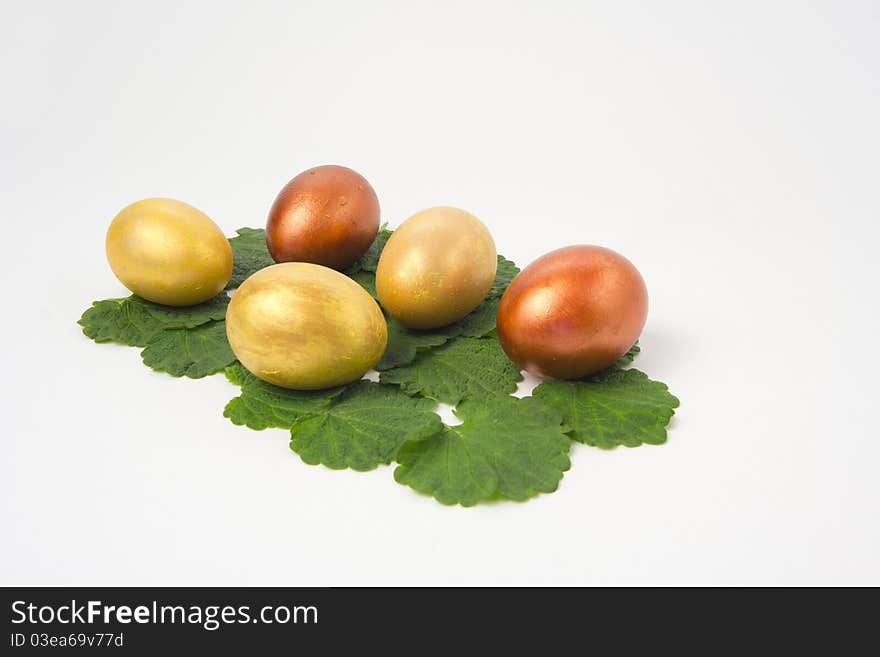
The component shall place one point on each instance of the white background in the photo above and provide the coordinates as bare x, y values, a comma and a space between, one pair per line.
729, 149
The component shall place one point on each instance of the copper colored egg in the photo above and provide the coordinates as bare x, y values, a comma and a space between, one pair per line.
572, 312
328, 215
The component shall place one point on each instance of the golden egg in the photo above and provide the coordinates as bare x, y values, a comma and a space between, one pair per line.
436, 268
168, 252
305, 326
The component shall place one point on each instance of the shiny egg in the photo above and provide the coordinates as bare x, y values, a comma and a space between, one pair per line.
572, 312
436, 268
327, 215
168, 252
304, 326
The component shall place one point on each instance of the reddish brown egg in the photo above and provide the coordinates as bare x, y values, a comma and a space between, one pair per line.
328, 215
572, 312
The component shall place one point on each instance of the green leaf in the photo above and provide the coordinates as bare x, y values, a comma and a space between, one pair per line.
359, 426
478, 323
367, 280
466, 368
262, 405
370, 260
505, 448
628, 357
135, 321
118, 320
615, 407
364, 427
193, 352
249, 254
507, 270
404, 343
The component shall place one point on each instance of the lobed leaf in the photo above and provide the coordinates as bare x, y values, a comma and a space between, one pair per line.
363, 427
466, 368
192, 352
628, 357
480, 322
262, 405
135, 321
615, 407
370, 260
404, 344
506, 272
505, 448
249, 254
367, 280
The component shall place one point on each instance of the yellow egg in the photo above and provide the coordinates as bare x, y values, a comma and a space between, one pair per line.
305, 326
168, 252
436, 268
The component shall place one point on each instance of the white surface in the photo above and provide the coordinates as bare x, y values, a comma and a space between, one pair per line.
729, 149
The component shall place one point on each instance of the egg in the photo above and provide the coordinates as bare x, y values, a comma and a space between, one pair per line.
168, 252
572, 312
328, 215
304, 326
436, 268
